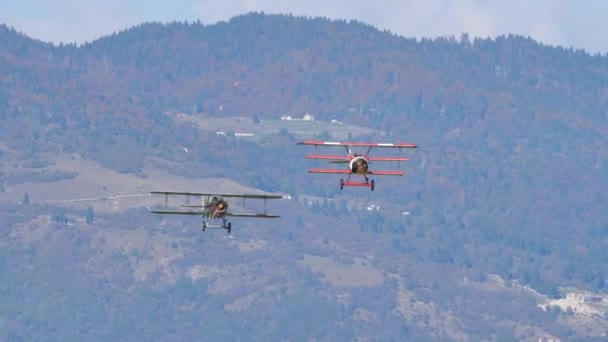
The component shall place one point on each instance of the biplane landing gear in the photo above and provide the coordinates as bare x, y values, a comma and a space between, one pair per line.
226, 225
341, 183
372, 185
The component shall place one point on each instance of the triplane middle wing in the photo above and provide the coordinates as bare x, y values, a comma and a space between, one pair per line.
358, 163
211, 206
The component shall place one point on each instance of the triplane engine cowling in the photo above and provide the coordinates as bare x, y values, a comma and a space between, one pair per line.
359, 165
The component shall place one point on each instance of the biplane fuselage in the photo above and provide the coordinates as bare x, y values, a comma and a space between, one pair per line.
358, 164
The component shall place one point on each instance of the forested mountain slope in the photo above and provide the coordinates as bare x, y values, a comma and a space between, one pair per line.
504, 201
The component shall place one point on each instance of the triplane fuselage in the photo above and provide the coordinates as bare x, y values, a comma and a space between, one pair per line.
358, 163
212, 206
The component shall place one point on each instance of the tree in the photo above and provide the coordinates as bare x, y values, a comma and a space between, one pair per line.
60, 219
89, 215
26, 199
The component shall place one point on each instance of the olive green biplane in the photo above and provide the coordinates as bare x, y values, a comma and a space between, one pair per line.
213, 206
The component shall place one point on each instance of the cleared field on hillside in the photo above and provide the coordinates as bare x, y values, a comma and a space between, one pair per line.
300, 128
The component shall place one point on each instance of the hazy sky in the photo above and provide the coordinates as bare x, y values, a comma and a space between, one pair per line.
569, 23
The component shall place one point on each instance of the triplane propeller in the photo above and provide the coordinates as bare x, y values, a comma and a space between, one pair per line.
212, 206
358, 163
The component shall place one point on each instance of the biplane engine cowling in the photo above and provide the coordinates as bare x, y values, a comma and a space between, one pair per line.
221, 207
359, 165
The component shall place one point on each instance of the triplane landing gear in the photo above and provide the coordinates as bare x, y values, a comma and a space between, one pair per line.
371, 184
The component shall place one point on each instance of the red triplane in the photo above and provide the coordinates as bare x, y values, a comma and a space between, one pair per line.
358, 163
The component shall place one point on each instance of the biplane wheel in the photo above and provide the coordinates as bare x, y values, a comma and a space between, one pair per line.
341, 183
229, 227
204, 225
372, 185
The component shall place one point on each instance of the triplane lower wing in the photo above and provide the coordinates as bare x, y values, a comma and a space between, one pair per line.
358, 163
210, 206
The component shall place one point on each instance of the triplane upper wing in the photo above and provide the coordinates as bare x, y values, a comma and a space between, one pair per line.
356, 144
358, 162
212, 206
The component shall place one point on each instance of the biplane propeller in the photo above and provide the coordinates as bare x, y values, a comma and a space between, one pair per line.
212, 206
358, 163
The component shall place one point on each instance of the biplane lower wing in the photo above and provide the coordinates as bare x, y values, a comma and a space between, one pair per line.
252, 215
261, 196
182, 212
340, 171
176, 212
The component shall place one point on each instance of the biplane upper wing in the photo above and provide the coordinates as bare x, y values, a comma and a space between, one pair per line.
258, 215
260, 196
358, 144
177, 212
342, 171
184, 193
188, 193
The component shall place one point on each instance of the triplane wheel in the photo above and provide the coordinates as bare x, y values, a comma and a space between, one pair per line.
204, 225
229, 227
372, 185
341, 183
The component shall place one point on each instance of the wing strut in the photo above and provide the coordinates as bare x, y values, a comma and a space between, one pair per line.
368, 151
